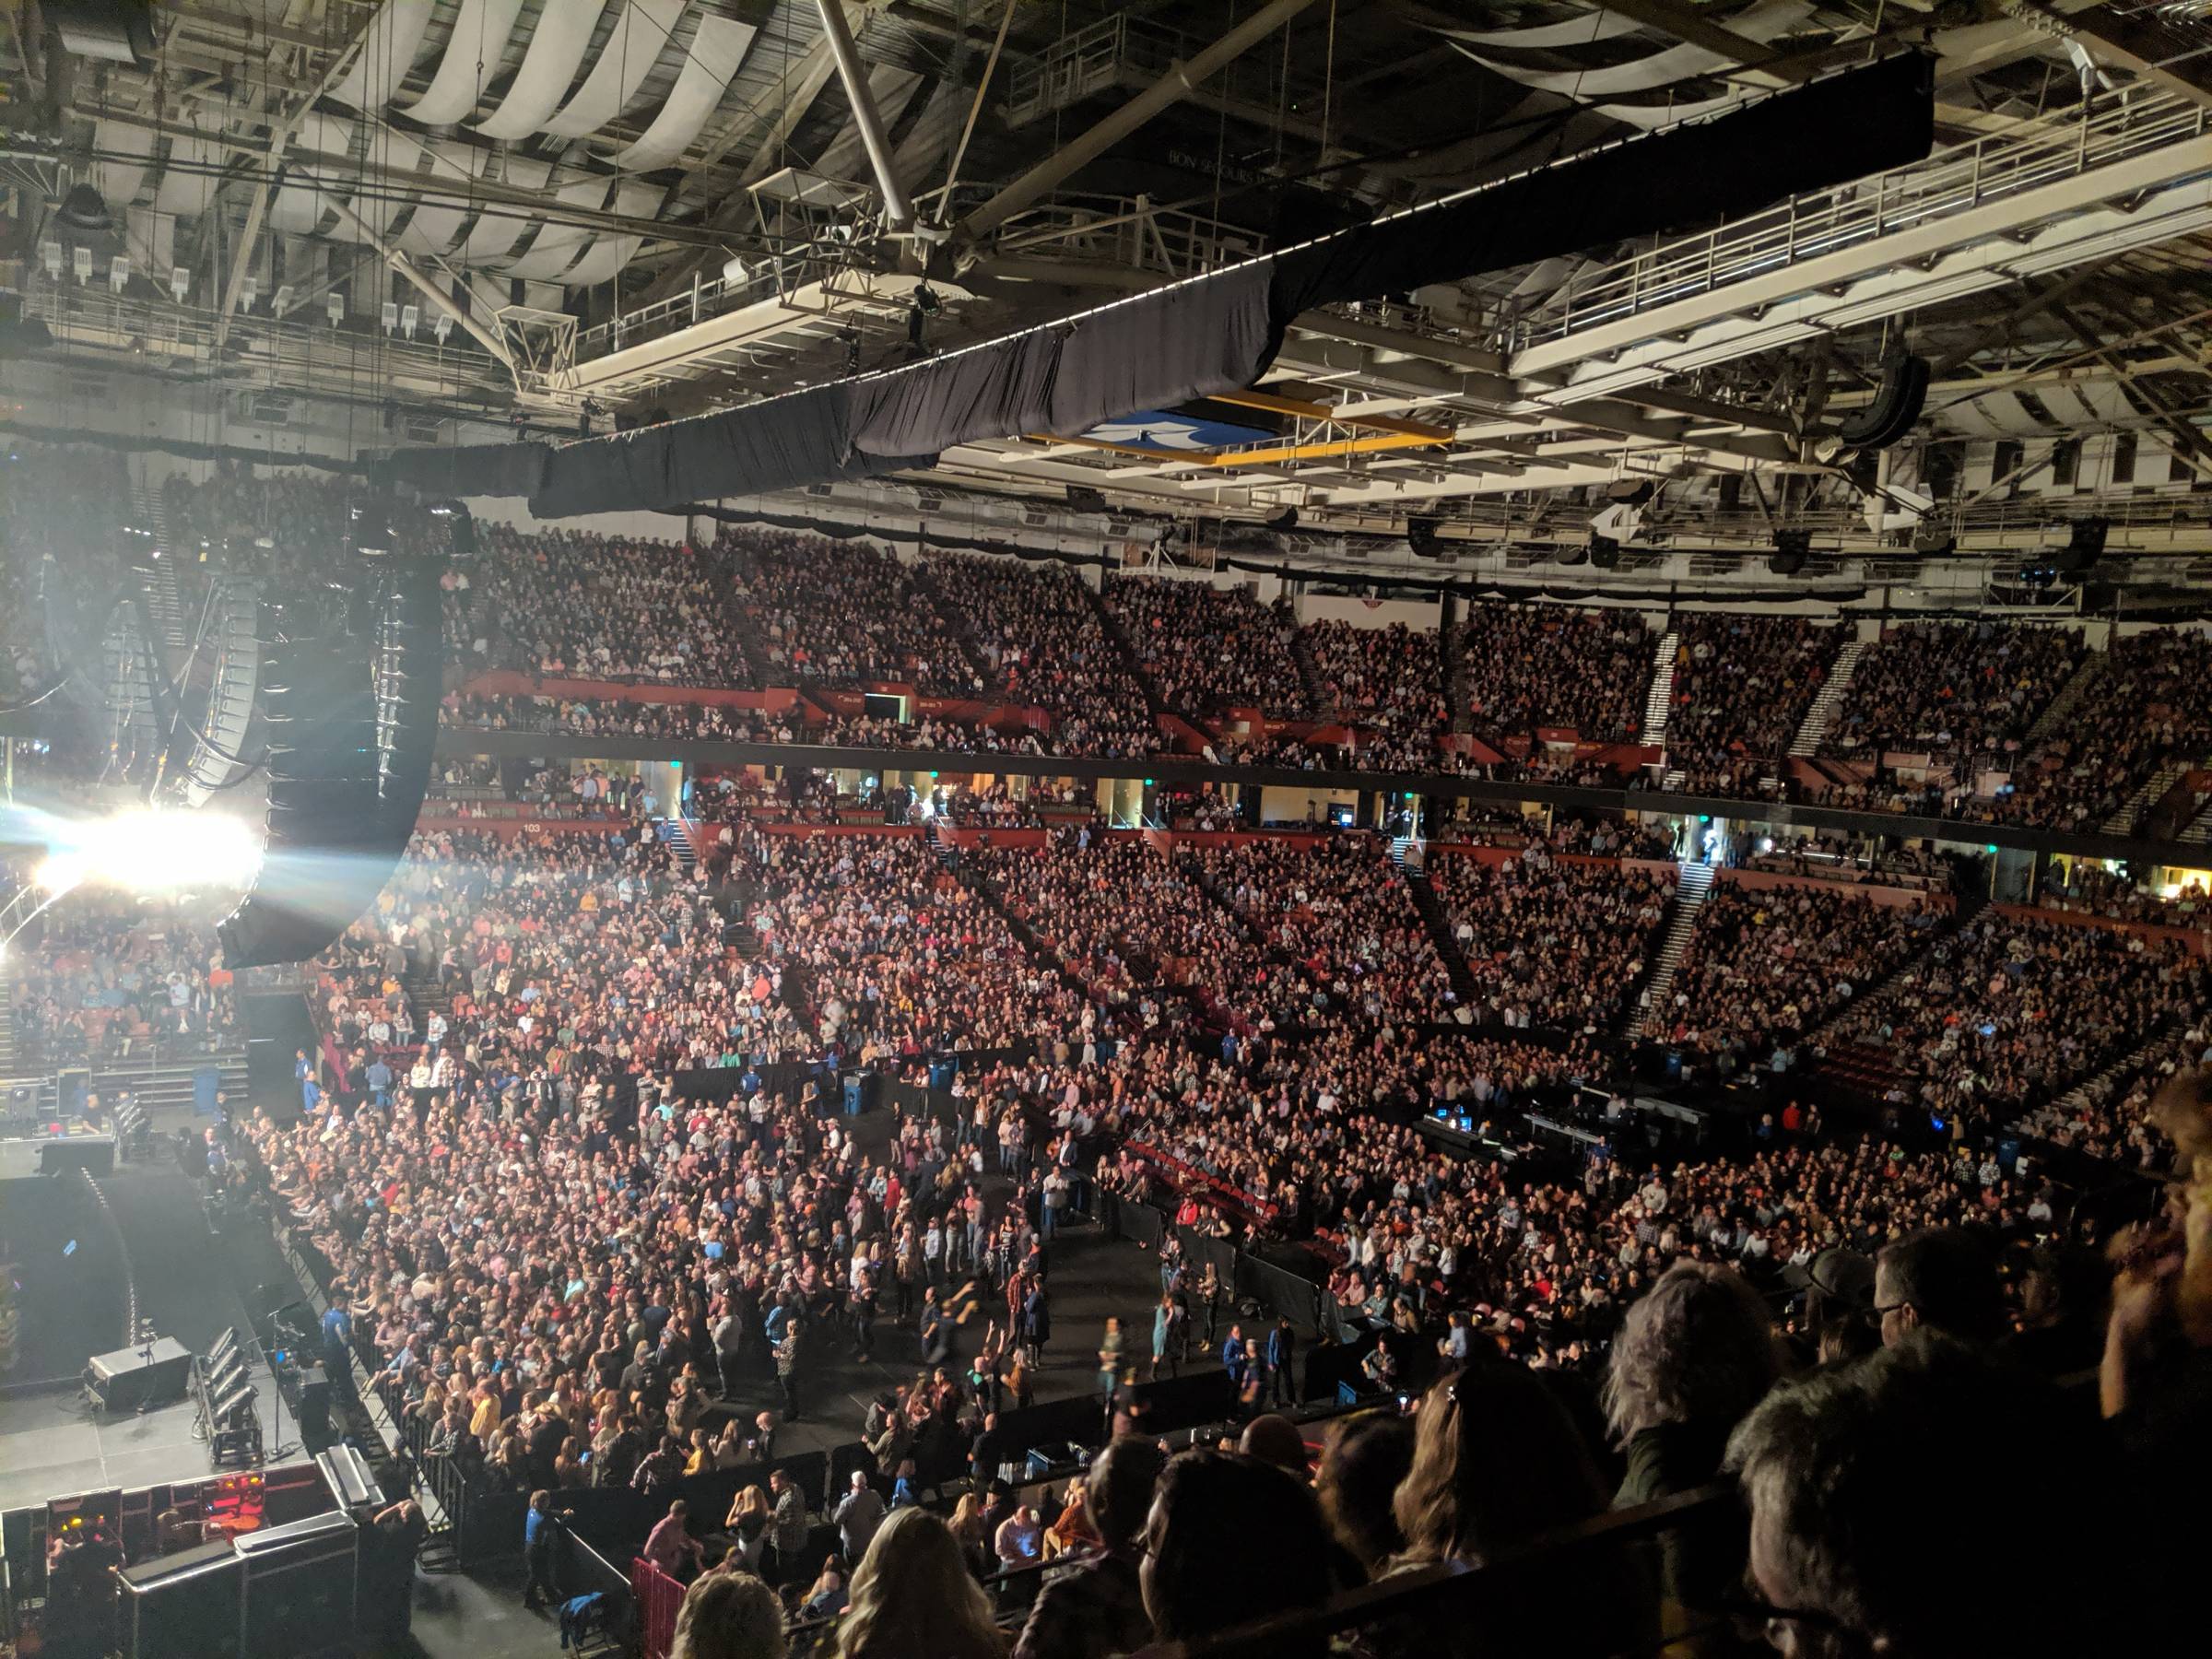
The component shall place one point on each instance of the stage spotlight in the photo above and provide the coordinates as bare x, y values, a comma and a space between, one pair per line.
152, 852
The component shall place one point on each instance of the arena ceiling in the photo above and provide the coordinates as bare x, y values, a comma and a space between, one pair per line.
562, 210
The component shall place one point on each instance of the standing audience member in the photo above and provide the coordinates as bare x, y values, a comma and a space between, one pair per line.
858, 1515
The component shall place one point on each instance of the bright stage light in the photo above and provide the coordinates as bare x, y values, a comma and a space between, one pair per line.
151, 852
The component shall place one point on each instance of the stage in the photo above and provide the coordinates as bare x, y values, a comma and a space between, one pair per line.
149, 1248
54, 1443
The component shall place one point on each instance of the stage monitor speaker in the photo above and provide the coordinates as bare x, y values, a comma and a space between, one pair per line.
312, 1407
132, 1379
182, 1606
299, 1590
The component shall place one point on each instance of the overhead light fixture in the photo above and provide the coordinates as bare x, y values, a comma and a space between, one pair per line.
119, 273
442, 325
80, 261
50, 256
283, 303
249, 290
734, 271
334, 308
180, 282
409, 317
389, 316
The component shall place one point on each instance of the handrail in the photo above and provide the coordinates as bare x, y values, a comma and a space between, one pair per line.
1451, 1590
2095, 133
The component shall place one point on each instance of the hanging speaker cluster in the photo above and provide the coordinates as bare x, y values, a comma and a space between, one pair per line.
350, 694
1896, 407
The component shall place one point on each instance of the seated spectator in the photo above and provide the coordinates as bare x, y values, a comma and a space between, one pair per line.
1869, 1535
1942, 1280
1696, 1352
1231, 1539
1363, 1464
1967, 690
1741, 689
1497, 1466
1096, 1606
912, 1598
1526, 667
729, 1614
1209, 649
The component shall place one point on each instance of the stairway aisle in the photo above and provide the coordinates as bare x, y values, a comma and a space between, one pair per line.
1308, 673
1439, 925
1690, 889
678, 834
1812, 732
2149, 794
1154, 704
2060, 712
1660, 697
956, 620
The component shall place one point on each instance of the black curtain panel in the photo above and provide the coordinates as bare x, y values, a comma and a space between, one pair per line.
470, 469
1218, 333
1865, 121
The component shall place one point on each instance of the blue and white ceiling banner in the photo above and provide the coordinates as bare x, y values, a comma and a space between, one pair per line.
1170, 433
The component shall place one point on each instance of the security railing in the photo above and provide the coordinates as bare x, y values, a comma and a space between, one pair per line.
2097, 133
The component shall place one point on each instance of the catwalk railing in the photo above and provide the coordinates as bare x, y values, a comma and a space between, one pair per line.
2105, 130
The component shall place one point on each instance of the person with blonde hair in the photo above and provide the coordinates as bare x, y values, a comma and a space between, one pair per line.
912, 1598
729, 1614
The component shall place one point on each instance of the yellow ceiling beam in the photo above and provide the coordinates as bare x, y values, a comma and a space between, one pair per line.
1317, 451
1313, 411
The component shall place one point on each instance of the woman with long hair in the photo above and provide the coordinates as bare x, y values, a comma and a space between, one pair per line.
912, 1598
729, 1615
748, 1522
1497, 1465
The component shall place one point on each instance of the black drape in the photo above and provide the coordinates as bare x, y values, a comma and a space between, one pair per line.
1218, 333
1867, 121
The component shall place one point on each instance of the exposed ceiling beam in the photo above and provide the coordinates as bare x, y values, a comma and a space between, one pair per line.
437, 296
838, 33
2112, 40
1169, 89
2193, 445
257, 209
